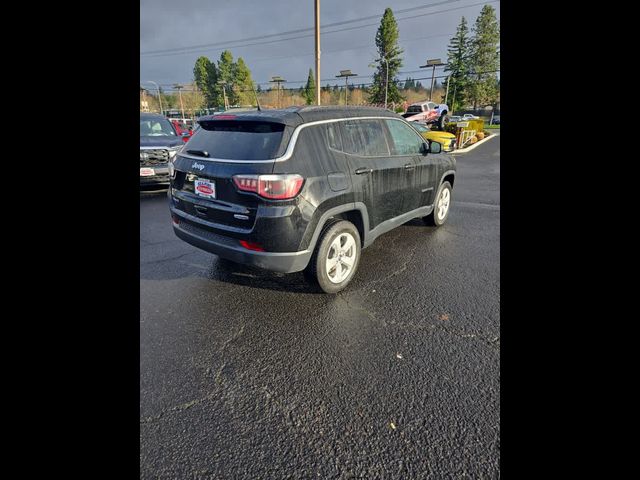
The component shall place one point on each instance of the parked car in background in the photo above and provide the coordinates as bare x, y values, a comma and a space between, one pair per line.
496, 120
183, 129
455, 118
468, 116
430, 113
305, 188
446, 139
159, 143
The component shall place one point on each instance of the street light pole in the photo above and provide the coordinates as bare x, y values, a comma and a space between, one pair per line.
179, 87
317, 14
446, 95
278, 80
434, 62
158, 89
346, 74
386, 83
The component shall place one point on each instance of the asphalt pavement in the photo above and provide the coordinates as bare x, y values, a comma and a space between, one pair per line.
250, 374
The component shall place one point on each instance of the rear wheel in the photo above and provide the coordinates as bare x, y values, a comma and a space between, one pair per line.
440, 211
336, 257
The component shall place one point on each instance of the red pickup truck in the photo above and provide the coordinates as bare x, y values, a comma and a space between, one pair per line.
182, 130
430, 113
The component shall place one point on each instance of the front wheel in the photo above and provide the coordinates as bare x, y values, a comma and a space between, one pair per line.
442, 121
440, 211
336, 257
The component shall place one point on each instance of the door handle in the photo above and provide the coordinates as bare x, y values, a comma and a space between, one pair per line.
362, 171
409, 166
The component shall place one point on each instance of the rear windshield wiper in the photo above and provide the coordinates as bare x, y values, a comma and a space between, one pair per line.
200, 153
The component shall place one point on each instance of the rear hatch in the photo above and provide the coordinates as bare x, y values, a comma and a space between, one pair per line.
203, 185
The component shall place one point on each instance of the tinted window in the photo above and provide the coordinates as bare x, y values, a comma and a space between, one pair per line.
152, 127
352, 141
238, 140
414, 109
420, 127
375, 140
333, 136
364, 137
406, 140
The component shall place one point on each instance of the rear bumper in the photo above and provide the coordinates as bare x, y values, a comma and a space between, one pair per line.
230, 248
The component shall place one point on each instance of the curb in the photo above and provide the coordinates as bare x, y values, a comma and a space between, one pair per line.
468, 149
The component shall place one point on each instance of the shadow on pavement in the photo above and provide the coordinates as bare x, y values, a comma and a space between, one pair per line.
229, 272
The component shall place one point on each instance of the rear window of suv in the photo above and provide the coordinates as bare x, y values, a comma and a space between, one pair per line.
238, 140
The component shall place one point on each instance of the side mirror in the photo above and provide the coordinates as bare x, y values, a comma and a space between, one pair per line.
435, 147
425, 148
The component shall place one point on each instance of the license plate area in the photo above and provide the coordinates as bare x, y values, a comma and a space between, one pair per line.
204, 187
147, 172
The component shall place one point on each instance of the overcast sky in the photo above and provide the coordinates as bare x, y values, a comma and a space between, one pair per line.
174, 33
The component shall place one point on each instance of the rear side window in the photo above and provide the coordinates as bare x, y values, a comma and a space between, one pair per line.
238, 140
406, 141
333, 136
364, 137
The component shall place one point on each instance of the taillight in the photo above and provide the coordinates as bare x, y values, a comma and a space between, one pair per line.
275, 187
251, 246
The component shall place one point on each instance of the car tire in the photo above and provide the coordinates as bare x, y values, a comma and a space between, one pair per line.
336, 257
441, 206
442, 121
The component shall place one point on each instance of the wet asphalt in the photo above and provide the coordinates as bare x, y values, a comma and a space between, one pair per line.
250, 374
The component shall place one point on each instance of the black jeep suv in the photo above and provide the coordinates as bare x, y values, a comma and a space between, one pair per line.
305, 188
159, 143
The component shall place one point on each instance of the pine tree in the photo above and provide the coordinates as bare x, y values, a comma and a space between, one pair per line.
205, 77
387, 44
458, 66
310, 89
485, 58
226, 73
243, 83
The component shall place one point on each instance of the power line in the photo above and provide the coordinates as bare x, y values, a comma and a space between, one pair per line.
149, 55
330, 86
242, 40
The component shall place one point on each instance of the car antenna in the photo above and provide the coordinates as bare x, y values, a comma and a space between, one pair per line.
256, 94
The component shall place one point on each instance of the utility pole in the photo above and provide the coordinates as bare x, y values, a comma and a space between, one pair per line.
278, 80
159, 96
346, 74
434, 62
446, 95
223, 84
317, 13
179, 87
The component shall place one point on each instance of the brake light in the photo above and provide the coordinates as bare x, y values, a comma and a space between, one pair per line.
251, 246
274, 187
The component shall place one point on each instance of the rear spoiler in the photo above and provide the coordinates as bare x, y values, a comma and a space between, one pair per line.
252, 117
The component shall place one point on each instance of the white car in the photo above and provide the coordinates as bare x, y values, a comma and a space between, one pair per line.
468, 116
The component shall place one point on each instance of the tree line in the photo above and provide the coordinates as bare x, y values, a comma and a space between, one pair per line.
473, 59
